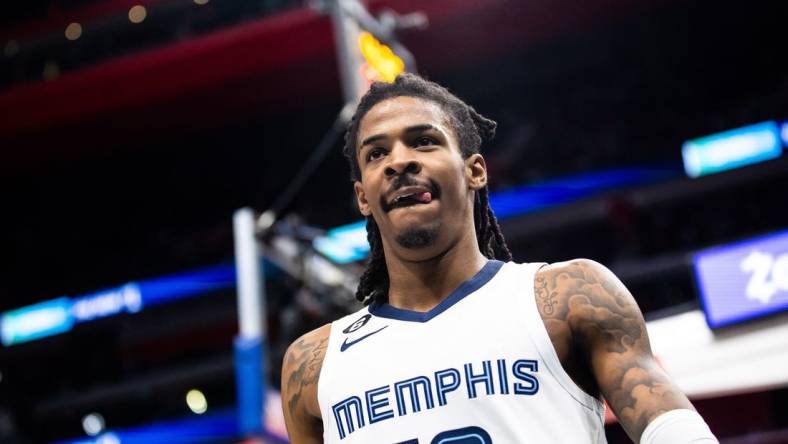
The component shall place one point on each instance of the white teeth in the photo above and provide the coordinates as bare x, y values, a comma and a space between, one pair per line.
398, 198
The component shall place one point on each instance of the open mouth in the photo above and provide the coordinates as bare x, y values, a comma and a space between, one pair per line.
410, 199
411, 194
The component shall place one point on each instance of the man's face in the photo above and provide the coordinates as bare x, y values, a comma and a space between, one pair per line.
414, 181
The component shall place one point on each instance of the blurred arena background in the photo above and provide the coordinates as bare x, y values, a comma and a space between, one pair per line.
646, 135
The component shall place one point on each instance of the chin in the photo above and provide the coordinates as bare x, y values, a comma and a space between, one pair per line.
417, 238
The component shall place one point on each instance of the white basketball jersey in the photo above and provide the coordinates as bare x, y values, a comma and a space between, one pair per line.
478, 368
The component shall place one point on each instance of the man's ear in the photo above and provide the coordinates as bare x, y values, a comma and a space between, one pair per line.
361, 199
476, 171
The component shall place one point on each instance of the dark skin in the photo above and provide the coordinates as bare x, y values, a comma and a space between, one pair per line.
593, 322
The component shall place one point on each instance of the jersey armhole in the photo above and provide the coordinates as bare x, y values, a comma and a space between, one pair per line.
544, 345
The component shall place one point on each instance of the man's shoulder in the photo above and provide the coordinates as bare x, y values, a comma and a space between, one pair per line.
566, 275
301, 369
562, 288
316, 335
589, 297
310, 345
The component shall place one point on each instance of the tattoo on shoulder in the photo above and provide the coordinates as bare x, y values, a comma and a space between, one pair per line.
605, 317
305, 357
546, 297
578, 294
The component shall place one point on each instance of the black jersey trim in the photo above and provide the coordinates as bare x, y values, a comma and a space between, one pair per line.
478, 280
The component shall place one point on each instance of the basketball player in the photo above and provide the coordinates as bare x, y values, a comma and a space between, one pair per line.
456, 343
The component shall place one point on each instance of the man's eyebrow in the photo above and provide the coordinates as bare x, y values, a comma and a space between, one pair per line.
419, 128
372, 139
411, 129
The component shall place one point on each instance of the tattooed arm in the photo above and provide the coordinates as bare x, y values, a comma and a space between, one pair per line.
300, 372
591, 315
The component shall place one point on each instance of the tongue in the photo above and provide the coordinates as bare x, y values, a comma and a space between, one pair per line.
425, 197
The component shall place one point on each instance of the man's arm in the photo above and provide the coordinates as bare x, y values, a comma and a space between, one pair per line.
300, 372
607, 326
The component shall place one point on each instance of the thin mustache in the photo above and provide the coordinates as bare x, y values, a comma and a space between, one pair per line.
405, 181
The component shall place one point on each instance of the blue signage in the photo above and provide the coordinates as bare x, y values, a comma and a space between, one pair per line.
60, 315
344, 244
107, 303
36, 321
744, 280
732, 149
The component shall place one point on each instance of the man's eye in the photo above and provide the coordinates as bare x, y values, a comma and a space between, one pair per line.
374, 153
425, 141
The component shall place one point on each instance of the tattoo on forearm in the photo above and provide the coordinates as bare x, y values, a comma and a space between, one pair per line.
641, 395
307, 358
602, 314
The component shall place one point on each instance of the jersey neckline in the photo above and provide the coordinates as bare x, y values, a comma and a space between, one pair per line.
488, 271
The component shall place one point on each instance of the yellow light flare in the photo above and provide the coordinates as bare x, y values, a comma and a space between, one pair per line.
73, 31
380, 58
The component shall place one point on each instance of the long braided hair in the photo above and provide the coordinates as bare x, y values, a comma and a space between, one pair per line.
471, 129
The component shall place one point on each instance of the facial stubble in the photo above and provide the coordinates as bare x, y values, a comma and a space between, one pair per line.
418, 237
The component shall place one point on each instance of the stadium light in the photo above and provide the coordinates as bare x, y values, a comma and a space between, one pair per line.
93, 424
73, 31
196, 401
137, 14
383, 63
366, 46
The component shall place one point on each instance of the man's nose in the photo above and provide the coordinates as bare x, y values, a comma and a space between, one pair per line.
401, 161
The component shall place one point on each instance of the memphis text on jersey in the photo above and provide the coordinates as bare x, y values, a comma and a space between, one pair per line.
421, 393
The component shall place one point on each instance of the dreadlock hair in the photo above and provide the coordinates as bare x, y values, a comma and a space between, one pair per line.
471, 129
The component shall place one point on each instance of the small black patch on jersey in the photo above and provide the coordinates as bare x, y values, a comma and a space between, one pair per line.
360, 322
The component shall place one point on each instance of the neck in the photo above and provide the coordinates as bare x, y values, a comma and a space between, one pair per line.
423, 284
